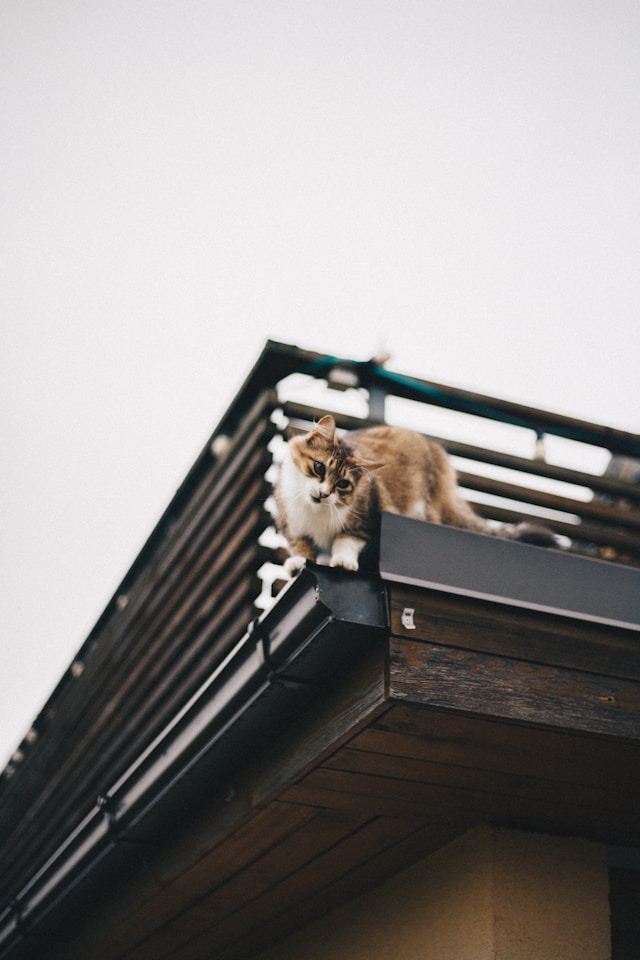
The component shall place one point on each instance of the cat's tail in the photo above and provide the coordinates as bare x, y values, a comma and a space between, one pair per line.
457, 512
526, 532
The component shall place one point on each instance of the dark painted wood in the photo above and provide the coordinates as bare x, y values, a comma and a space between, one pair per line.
482, 713
624, 897
465, 742
591, 509
524, 634
511, 689
185, 612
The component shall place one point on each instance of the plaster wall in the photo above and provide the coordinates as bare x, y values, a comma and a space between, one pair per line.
489, 895
551, 898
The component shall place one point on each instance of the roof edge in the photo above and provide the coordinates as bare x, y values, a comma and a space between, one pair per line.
469, 564
322, 621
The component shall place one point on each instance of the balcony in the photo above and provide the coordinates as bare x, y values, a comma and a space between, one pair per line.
231, 756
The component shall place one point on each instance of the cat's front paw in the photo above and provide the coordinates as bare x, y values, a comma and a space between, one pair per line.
346, 559
345, 552
293, 564
347, 563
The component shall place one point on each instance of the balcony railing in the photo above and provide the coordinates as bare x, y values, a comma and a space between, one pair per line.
213, 562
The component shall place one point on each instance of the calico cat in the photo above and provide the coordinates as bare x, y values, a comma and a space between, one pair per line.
331, 490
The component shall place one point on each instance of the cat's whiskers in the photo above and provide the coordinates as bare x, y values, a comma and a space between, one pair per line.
337, 513
300, 496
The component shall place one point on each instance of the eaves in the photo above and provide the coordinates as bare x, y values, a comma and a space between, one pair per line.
360, 722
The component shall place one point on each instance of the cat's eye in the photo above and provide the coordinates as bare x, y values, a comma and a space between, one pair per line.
343, 484
319, 469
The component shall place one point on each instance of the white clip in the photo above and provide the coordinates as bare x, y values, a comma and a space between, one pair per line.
407, 618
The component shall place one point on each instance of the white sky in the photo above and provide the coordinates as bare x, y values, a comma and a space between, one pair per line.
458, 179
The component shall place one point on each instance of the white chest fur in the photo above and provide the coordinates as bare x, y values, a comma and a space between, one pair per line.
322, 522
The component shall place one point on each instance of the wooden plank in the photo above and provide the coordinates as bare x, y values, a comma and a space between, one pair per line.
611, 515
612, 488
180, 579
247, 892
224, 475
503, 687
468, 742
515, 783
348, 706
404, 852
165, 897
528, 635
408, 844
160, 702
129, 673
292, 900
422, 722
119, 734
219, 524
327, 791
123, 673
461, 800
440, 802
389, 795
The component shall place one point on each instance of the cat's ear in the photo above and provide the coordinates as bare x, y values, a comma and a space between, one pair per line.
325, 428
368, 465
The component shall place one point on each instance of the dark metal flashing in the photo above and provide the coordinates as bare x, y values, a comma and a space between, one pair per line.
320, 624
517, 574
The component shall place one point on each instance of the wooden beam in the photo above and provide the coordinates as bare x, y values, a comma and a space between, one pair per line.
511, 689
457, 621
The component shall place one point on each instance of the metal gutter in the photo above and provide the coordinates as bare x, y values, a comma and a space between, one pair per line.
516, 574
321, 622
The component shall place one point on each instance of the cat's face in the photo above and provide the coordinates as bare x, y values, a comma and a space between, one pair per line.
328, 474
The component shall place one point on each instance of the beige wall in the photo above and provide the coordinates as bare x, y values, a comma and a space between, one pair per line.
489, 895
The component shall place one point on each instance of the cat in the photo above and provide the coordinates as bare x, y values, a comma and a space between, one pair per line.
331, 490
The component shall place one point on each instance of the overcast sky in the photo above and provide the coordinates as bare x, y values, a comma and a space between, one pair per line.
455, 179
